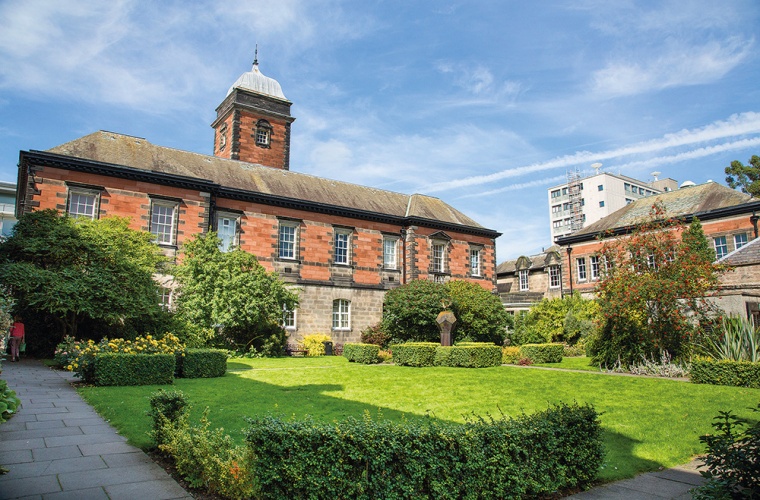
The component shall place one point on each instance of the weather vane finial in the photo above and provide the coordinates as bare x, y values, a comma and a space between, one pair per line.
256, 56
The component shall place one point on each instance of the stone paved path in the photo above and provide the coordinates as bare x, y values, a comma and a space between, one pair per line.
57, 447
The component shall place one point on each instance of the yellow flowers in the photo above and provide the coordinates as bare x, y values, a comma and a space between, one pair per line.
80, 355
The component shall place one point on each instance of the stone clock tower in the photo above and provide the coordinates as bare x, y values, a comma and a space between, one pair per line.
253, 122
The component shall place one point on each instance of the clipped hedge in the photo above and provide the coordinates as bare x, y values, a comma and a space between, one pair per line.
362, 353
468, 355
527, 456
542, 353
510, 355
115, 368
203, 363
726, 372
414, 353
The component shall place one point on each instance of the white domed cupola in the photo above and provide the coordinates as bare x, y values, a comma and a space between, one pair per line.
255, 81
253, 121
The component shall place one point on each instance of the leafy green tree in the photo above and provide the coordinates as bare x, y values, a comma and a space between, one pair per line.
232, 293
654, 284
77, 270
480, 314
410, 312
747, 177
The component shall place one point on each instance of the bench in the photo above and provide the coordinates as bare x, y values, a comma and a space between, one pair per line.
291, 350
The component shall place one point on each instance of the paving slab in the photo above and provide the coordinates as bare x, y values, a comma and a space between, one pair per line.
57, 447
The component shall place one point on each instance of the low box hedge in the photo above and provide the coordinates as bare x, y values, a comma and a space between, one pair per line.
203, 363
361, 353
468, 355
542, 353
726, 372
115, 368
525, 457
414, 353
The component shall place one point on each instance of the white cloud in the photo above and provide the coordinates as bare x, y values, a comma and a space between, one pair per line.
679, 64
735, 126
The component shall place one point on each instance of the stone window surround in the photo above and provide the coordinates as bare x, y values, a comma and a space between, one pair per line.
394, 240
342, 230
166, 202
296, 224
262, 134
555, 276
228, 213
341, 316
477, 251
86, 190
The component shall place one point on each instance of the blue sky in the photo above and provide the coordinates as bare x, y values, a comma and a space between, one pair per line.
484, 104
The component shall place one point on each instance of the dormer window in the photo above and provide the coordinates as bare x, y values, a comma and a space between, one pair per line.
263, 133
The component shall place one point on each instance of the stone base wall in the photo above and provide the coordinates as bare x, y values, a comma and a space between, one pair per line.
314, 313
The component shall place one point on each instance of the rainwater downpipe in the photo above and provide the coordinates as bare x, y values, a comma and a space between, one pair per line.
570, 268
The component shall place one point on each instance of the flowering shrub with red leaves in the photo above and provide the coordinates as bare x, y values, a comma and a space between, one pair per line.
652, 291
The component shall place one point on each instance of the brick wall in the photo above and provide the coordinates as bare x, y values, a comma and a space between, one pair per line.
720, 227
363, 281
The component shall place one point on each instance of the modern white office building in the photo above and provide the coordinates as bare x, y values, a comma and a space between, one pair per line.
584, 200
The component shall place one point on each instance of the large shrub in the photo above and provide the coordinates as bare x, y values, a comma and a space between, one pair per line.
314, 344
203, 363
473, 355
480, 314
542, 353
733, 466
568, 319
410, 311
523, 457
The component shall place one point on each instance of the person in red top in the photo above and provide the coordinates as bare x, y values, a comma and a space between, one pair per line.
18, 335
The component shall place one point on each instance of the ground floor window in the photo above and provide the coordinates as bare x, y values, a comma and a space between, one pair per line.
341, 317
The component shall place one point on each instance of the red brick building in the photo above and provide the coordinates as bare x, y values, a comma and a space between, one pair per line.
341, 245
726, 216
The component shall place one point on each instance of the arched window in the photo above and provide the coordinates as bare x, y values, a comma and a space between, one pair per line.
263, 133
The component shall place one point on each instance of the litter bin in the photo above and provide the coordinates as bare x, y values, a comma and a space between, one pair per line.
328, 348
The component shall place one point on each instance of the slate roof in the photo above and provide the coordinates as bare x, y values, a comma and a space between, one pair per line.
747, 255
138, 153
701, 200
537, 261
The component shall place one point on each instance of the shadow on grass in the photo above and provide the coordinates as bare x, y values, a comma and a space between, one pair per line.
620, 460
241, 397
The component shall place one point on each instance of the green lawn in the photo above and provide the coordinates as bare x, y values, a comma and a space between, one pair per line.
648, 422
574, 363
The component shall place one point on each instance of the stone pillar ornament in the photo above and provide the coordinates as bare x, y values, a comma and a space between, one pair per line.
446, 320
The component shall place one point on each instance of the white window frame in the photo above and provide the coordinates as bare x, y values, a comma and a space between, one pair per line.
228, 241
165, 298
164, 233
289, 318
438, 256
721, 246
475, 268
77, 193
594, 261
555, 277
524, 280
342, 247
263, 134
390, 253
580, 266
341, 315
287, 240
740, 240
